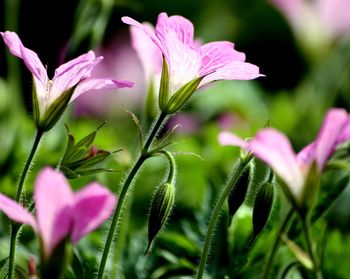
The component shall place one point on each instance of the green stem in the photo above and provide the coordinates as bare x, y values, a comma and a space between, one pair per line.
317, 274
172, 166
277, 242
15, 227
242, 164
115, 219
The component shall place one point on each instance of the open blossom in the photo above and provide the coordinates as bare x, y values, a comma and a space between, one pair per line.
61, 213
294, 169
187, 60
73, 75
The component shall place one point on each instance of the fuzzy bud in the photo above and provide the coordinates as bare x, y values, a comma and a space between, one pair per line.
161, 206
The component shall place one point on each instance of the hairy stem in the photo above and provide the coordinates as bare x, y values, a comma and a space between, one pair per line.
242, 164
115, 219
15, 227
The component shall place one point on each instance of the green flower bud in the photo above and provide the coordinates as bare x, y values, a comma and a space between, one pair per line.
161, 206
238, 193
81, 158
262, 207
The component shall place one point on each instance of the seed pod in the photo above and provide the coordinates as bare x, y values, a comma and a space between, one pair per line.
238, 193
161, 206
262, 207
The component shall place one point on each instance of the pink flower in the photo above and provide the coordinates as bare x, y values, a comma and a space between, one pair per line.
74, 74
294, 169
187, 61
61, 213
325, 18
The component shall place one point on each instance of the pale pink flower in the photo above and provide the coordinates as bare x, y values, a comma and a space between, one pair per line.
61, 213
73, 73
187, 60
275, 149
325, 18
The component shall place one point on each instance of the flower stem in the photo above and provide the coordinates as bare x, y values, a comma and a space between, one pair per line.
15, 227
142, 157
317, 274
277, 242
242, 164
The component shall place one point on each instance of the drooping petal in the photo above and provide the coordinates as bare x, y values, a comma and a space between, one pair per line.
30, 58
148, 53
274, 148
92, 206
217, 54
227, 138
178, 25
144, 28
16, 212
71, 73
332, 129
53, 200
235, 70
99, 83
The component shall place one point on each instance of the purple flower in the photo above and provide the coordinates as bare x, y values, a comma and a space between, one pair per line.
294, 169
187, 60
61, 213
73, 75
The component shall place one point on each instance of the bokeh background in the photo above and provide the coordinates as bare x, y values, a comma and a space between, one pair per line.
304, 53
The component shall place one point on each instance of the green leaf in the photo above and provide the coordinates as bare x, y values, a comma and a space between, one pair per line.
90, 161
181, 96
82, 148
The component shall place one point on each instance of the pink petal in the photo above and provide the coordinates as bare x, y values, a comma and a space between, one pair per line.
331, 131
144, 28
274, 148
235, 70
92, 206
180, 26
71, 73
217, 54
227, 138
99, 83
148, 53
306, 156
16, 212
53, 199
345, 135
30, 58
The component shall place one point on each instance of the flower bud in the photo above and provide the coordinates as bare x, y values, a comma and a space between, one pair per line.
238, 193
161, 206
262, 207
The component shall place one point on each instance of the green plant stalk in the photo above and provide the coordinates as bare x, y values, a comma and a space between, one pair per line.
14, 226
277, 242
115, 219
317, 274
243, 163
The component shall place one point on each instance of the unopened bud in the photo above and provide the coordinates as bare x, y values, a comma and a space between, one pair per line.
238, 193
161, 206
262, 207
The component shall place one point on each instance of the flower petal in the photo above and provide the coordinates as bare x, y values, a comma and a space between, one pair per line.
236, 70
329, 135
227, 138
92, 206
217, 54
99, 83
30, 58
145, 28
53, 199
70, 74
274, 148
178, 25
148, 53
16, 212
